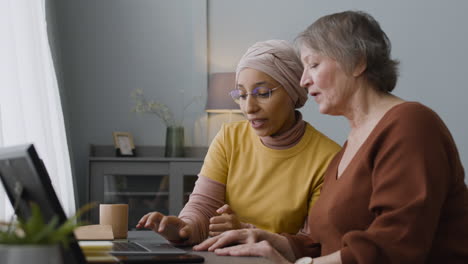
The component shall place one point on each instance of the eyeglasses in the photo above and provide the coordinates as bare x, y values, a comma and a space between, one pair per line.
262, 94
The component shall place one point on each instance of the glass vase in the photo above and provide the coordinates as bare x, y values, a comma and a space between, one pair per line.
174, 141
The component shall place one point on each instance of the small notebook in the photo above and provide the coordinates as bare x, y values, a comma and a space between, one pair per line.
94, 232
97, 251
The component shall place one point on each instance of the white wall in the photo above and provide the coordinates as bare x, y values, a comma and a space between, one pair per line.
111, 47
430, 39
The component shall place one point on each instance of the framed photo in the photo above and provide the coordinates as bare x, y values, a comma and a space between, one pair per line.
123, 142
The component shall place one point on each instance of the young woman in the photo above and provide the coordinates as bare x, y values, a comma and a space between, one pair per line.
265, 172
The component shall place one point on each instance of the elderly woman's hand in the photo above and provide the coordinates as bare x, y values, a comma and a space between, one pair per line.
241, 236
250, 246
255, 242
262, 249
227, 220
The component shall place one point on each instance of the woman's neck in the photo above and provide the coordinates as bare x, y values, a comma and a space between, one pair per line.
292, 120
288, 138
368, 110
368, 105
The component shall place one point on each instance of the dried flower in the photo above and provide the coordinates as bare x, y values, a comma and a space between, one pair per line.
159, 109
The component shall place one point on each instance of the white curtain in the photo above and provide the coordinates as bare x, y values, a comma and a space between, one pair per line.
30, 107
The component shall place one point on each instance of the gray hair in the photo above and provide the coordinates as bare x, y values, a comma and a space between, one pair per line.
349, 38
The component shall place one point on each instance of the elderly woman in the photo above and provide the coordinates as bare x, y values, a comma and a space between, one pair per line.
272, 158
395, 193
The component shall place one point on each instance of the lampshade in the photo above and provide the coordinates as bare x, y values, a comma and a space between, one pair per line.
219, 86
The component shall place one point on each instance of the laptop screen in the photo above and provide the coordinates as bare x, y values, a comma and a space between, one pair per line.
25, 179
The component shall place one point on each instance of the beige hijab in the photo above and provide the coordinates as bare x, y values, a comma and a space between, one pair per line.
278, 59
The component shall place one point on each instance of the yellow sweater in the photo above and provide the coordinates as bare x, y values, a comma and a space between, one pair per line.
271, 189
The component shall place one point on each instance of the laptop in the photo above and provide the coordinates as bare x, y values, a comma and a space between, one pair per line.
25, 179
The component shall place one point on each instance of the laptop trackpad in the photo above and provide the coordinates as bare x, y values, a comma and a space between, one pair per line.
144, 248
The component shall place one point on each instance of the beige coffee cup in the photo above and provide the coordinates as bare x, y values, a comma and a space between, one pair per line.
115, 215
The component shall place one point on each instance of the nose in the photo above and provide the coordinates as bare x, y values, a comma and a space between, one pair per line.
250, 105
306, 80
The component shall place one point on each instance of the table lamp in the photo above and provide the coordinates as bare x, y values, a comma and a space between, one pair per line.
220, 103
219, 100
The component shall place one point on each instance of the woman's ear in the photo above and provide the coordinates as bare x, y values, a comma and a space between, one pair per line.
360, 67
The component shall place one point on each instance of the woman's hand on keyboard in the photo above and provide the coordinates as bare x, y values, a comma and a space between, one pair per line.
172, 228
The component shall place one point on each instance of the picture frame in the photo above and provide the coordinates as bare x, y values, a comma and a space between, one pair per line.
123, 142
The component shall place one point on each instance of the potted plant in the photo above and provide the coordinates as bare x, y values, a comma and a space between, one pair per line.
34, 240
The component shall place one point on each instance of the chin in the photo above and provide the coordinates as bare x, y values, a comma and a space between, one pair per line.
261, 133
328, 111
323, 109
